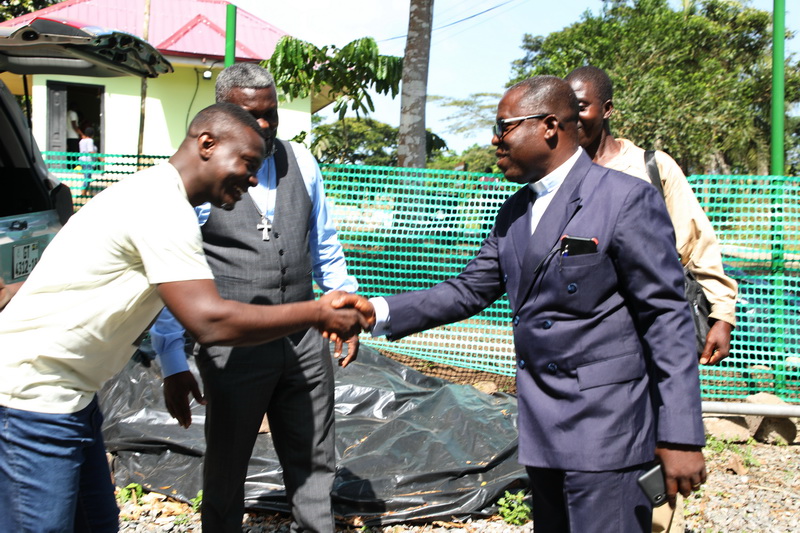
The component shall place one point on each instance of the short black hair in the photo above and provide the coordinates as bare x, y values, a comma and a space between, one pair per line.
549, 94
221, 117
597, 77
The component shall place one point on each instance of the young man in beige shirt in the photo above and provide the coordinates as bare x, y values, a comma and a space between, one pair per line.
694, 236
695, 239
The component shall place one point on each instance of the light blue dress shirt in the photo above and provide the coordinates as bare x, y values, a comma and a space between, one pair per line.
329, 267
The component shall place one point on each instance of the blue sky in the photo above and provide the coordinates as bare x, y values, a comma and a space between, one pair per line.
471, 51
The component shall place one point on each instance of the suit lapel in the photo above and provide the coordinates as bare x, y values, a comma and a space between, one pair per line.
562, 208
521, 228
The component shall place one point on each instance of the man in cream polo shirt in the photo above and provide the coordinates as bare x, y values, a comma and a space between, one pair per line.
100, 283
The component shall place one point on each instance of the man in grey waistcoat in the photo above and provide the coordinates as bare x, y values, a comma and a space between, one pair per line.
268, 250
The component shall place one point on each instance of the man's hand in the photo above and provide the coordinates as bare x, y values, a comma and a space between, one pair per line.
718, 343
177, 388
7, 291
5, 294
352, 350
684, 469
344, 315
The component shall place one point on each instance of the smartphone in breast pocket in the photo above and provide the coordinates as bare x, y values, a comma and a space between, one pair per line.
653, 485
578, 245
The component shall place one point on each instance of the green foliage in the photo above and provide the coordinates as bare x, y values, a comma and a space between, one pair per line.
197, 501
475, 159
133, 491
353, 141
694, 82
793, 146
476, 112
362, 141
717, 446
513, 510
10, 9
345, 74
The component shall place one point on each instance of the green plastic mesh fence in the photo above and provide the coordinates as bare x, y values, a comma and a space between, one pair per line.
407, 229
88, 174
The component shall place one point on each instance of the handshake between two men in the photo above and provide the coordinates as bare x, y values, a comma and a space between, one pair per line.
343, 316
213, 321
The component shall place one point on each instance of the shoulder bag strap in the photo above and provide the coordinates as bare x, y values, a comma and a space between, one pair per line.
652, 170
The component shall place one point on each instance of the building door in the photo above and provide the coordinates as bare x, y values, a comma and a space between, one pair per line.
85, 100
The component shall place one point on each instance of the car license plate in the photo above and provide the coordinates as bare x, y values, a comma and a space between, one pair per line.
24, 258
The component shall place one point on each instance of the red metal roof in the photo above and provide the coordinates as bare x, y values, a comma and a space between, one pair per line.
177, 27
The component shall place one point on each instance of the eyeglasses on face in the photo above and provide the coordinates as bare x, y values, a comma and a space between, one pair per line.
501, 126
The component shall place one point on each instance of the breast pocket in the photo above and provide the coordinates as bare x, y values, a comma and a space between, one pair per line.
574, 261
582, 282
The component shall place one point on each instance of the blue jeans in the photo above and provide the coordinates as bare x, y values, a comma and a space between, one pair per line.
54, 475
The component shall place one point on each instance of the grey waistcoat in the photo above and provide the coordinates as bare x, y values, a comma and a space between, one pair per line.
249, 269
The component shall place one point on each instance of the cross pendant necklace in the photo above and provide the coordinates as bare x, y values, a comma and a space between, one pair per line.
264, 226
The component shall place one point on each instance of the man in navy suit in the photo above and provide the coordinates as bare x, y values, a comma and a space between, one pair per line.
607, 373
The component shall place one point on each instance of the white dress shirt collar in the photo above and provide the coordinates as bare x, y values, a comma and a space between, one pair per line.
552, 181
545, 189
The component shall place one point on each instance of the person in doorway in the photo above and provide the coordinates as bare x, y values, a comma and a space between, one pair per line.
103, 279
607, 378
74, 133
87, 146
269, 251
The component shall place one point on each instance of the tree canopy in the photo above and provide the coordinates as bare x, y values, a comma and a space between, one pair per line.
10, 9
693, 82
475, 158
347, 74
476, 111
363, 141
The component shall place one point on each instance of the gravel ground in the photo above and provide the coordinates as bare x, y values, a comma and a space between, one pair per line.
751, 487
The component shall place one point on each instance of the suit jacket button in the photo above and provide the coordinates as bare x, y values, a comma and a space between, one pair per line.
516, 320
505, 278
547, 324
552, 368
521, 363
572, 288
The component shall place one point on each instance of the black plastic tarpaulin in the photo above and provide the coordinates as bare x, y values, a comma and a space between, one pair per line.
408, 446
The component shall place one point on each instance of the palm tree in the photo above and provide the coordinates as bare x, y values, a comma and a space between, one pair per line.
411, 136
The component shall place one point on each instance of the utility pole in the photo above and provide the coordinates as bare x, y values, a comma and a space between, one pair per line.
143, 102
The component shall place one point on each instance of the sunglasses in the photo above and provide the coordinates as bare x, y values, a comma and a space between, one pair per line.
500, 127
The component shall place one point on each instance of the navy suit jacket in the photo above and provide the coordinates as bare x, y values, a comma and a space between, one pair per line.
606, 363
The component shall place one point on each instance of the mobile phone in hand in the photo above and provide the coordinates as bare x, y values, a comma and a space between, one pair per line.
653, 485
